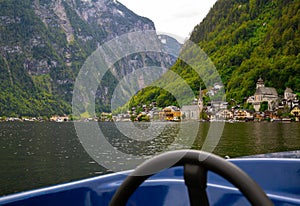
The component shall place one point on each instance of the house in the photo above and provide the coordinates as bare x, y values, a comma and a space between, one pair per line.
216, 88
154, 114
106, 117
211, 116
57, 118
123, 118
264, 94
225, 114
170, 113
296, 113
217, 105
259, 116
289, 94
244, 115
271, 115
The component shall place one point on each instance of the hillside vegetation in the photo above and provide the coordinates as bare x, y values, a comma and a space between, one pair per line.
246, 40
43, 45
23, 92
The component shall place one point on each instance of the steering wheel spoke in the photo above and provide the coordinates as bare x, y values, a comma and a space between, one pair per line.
195, 178
196, 164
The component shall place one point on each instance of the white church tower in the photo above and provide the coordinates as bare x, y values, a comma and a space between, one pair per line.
260, 83
200, 100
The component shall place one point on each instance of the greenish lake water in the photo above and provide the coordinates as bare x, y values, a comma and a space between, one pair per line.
34, 155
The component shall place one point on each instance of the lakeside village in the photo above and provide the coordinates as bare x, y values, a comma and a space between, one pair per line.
264, 105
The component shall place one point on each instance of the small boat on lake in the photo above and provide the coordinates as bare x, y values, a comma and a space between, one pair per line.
188, 177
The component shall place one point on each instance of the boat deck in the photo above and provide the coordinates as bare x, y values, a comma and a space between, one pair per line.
279, 177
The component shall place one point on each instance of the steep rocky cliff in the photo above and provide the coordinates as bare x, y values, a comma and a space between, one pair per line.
44, 43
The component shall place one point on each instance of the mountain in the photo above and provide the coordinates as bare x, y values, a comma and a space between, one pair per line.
246, 40
44, 43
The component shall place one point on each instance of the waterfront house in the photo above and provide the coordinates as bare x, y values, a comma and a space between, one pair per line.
243, 115
290, 103
211, 116
123, 118
154, 114
225, 114
170, 113
259, 116
57, 118
296, 113
271, 115
105, 117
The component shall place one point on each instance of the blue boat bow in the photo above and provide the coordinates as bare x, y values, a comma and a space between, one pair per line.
278, 177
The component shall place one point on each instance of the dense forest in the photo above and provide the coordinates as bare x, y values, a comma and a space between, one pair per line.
245, 39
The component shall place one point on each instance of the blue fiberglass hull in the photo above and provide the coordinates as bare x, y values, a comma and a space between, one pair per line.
279, 177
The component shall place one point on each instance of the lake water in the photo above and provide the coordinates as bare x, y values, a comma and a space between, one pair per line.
34, 155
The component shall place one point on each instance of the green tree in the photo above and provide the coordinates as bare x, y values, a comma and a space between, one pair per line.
263, 106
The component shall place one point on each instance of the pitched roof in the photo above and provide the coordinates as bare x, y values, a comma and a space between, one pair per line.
289, 90
266, 91
190, 107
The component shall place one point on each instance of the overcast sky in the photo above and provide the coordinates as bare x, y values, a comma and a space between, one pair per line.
177, 17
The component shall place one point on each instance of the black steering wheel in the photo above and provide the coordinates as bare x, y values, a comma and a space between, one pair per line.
196, 164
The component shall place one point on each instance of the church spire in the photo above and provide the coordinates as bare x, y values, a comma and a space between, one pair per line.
200, 100
260, 83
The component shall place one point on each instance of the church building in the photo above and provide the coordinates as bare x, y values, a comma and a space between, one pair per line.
264, 94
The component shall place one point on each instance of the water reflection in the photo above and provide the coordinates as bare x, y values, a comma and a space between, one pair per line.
243, 139
160, 142
35, 155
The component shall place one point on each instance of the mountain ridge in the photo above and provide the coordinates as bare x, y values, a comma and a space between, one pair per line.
43, 45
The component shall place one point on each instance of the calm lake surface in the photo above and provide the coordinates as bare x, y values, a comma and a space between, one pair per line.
34, 155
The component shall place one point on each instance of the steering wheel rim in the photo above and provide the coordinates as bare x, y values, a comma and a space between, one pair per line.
248, 187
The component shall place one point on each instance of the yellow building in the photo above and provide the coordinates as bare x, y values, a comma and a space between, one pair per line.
170, 113
296, 113
57, 118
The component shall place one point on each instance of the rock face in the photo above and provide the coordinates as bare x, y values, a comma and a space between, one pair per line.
111, 17
44, 43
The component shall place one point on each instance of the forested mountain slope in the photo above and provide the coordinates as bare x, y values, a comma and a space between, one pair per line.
245, 39
251, 39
